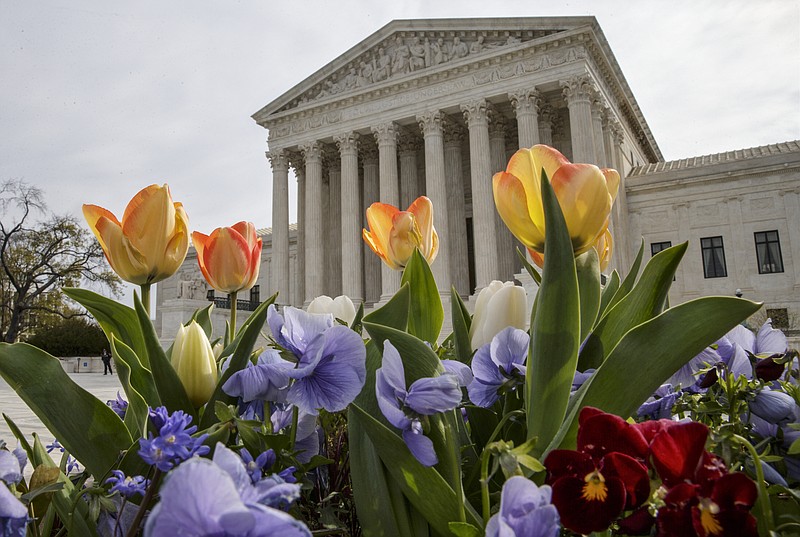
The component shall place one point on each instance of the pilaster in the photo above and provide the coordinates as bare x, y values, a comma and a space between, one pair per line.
598, 114
352, 252
372, 263
547, 114
506, 259
457, 220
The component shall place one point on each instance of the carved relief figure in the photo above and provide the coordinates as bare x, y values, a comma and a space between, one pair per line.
382, 67
439, 52
477, 46
364, 74
400, 57
350, 80
417, 50
459, 48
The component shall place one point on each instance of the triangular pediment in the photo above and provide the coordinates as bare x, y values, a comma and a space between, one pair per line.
406, 48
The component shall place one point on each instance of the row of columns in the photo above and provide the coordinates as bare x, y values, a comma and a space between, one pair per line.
442, 183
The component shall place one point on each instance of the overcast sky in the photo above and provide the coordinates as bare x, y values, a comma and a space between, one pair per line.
101, 98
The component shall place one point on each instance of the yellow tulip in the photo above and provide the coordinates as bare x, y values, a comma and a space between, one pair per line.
230, 257
150, 243
193, 360
394, 234
584, 191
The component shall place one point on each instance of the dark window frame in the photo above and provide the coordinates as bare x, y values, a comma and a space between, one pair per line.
713, 253
765, 239
656, 247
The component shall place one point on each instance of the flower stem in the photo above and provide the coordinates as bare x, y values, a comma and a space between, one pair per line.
145, 288
487, 508
455, 461
148, 497
232, 332
766, 504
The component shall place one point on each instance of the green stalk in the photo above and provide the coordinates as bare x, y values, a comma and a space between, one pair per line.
232, 300
145, 288
487, 508
455, 461
766, 504
148, 497
293, 432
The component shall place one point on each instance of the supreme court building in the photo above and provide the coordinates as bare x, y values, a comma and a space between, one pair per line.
436, 107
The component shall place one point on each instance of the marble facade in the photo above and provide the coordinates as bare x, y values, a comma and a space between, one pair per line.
436, 107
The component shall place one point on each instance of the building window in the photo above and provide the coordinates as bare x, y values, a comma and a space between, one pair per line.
713, 257
656, 247
768, 252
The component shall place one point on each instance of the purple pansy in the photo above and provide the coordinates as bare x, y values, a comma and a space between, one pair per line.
10, 470
306, 443
775, 406
525, 511
203, 497
266, 380
13, 514
580, 378
127, 486
174, 443
659, 406
405, 408
498, 366
255, 466
331, 359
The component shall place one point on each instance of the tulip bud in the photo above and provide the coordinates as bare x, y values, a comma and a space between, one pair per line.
230, 257
499, 306
394, 234
193, 360
340, 307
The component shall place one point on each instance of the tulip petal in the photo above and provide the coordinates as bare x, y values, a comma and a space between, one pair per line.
422, 209
404, 238
379, 221
149, 222
227, 259
584, 199
123, 257
612, 182
175, 251
513, 205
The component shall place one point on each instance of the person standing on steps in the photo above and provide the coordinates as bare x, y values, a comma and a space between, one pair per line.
106, 357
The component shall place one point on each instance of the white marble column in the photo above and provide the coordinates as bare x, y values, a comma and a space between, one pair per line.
579, 92
372, 263
386, 136
297, 163
352, 252
483, 219
598, 114
497, 151
457, 220
525, 102
333, 225
280, 224
314, 236
621, 257
430, 123
546, 124
407, 147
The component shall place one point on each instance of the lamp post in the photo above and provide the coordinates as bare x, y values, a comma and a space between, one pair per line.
739, 293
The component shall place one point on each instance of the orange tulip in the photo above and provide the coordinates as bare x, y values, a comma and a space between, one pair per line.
150, 243
230, 257
394, 234
584, 191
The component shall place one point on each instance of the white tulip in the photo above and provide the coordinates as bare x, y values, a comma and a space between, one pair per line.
499, 305
193, 360
340, 307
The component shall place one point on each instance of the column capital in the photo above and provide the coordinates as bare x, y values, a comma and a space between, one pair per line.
617, 131
347, 142
407, 141
330, 157
386, 133
599, 108
497, 123
278, 159
369, 151
547, 113
453, 132
312, 151
297, 161
578, 88
475, 112
431, 122
525, 100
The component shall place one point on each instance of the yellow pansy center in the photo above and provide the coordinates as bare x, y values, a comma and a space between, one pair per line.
708, 518
595, 487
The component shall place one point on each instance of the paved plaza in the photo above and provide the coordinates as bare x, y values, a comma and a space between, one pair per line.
104, 387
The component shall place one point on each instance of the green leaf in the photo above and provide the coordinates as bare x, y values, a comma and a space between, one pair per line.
627, 283
794, 449
168, 384
426, 313
372, 486
356, 324
113, 317
74, 515
136, 414
245, 341
461, 324
395, 312
19, 436
203, 317
653, 351
424, 487
528, 267
85, 426
462, 529
643, 302
611, 287
587, 267
555, 328
419, 360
